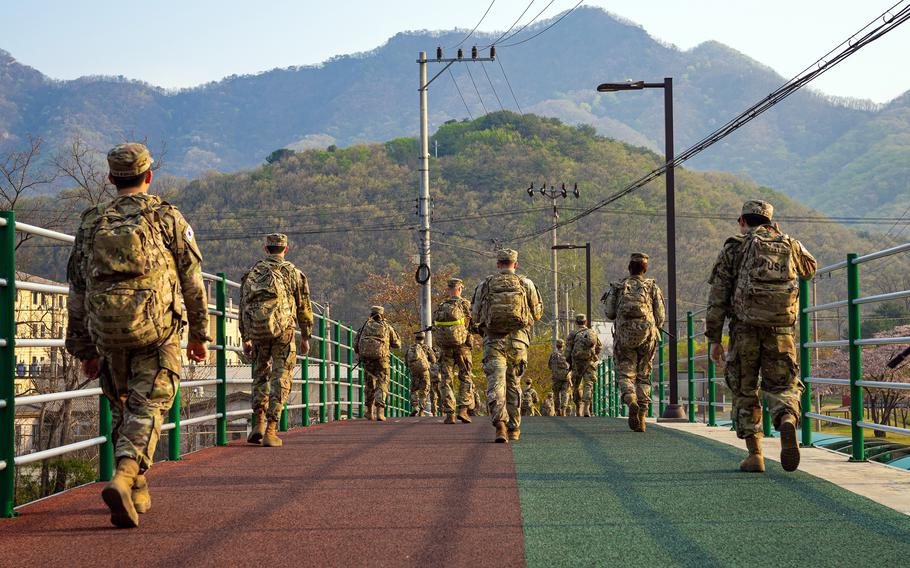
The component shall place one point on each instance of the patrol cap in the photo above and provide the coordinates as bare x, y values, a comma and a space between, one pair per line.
580, 318
376, 310
276, 240
639, 257
507, 255
758, 207
419, 335
129, 160
454, 282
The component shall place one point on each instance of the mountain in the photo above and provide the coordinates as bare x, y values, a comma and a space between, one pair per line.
810, 146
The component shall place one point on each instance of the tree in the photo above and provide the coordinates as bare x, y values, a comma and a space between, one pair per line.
22, 177
279, 155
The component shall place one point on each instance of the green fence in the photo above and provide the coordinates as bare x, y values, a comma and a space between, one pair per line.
331, 357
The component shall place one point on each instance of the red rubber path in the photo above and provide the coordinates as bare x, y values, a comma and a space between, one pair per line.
407, 492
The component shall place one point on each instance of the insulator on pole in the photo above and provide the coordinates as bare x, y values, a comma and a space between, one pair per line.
438, 53
474, 52
492, 52
460, 54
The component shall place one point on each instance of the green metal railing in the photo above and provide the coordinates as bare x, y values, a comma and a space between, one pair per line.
332, 340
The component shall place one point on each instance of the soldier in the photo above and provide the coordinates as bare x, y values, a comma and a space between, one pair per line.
374, 342
529, 400
754, 283
452, 327
506, 305
418, 358
548, 406
130, 257
434, 402
562, 378
274, 301
583, 347
636, 305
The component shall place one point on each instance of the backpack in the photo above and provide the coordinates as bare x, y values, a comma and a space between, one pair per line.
373, 340
505, 306
418, 362
449, 324
766, 288
131, 278
585, 345
266, 309
634, 312
559, 367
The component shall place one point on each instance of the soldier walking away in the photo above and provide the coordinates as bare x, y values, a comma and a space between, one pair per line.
130, 258
374, 343
583, 348
561, 376
434, 401
506, 305
419, 358
274, 301
452, 327
636, 304
754, 284
547, 408
529, 400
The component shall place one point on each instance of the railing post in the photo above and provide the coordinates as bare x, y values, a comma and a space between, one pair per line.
767, 430
805, 363
712, 390
595, 400
350, 348
651, 392
106, 450
221, 357
614, 411
856, 353
360, 389
337, 358
8, 364
173, 437
661, 373
323, 368
690, 366
305, 393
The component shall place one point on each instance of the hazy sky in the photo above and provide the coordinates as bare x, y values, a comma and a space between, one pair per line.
180, 43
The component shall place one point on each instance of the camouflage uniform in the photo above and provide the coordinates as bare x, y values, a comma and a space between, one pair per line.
274, 360
529, 400
547, 407
434, 400
633, 364
584, 367
377, 372
759, 358
505, 357
561, 377
140, 383
456, 362
420, 380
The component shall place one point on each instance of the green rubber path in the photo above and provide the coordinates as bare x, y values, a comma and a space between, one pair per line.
594, 493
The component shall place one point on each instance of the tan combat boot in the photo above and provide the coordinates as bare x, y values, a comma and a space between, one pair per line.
271, 439
515, 434
579, 409
754, 462
380, 413
257, 429
642, 415
789, 446
502, 436
117, 494
450, 418
587, 410
142, 501
463, 415
633, 412
368, 412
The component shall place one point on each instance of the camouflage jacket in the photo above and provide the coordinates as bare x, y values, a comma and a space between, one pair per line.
558, 365
299, 288
726, 271
410, 358
535, 308
570, 343
178, 238
529, 397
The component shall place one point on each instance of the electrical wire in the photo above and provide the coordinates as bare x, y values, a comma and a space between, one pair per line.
484, 67
506, 77
476, 90
889, 22
531, 3
457, 88
561, 18
531, 21
475, 27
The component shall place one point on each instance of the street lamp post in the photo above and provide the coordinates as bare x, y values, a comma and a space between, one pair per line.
587, 247
673, 410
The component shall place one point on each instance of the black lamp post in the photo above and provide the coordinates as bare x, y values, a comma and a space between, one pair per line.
673, 410
587, 247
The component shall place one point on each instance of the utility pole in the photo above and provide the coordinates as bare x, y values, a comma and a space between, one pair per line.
424, 274
554, 193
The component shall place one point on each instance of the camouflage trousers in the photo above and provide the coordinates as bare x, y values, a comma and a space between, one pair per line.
504, 363
434, 400
562, 392
141, 386
762, 361
529, 410
546, 409
273, 368
420, 389
376, 381
455, 362
633, 371
585, 373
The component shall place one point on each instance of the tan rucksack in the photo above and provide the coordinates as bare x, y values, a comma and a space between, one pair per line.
504, 308
266, 306
418, 362
130, 276
449, 324
767, 287
634, 313
373, 340
559, 367
585, 345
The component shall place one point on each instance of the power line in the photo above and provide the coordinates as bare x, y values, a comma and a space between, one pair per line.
506, 77
457, 88
531, 21
890, 21
476, 90
484, 67
531, 3
475, 27
561, 18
